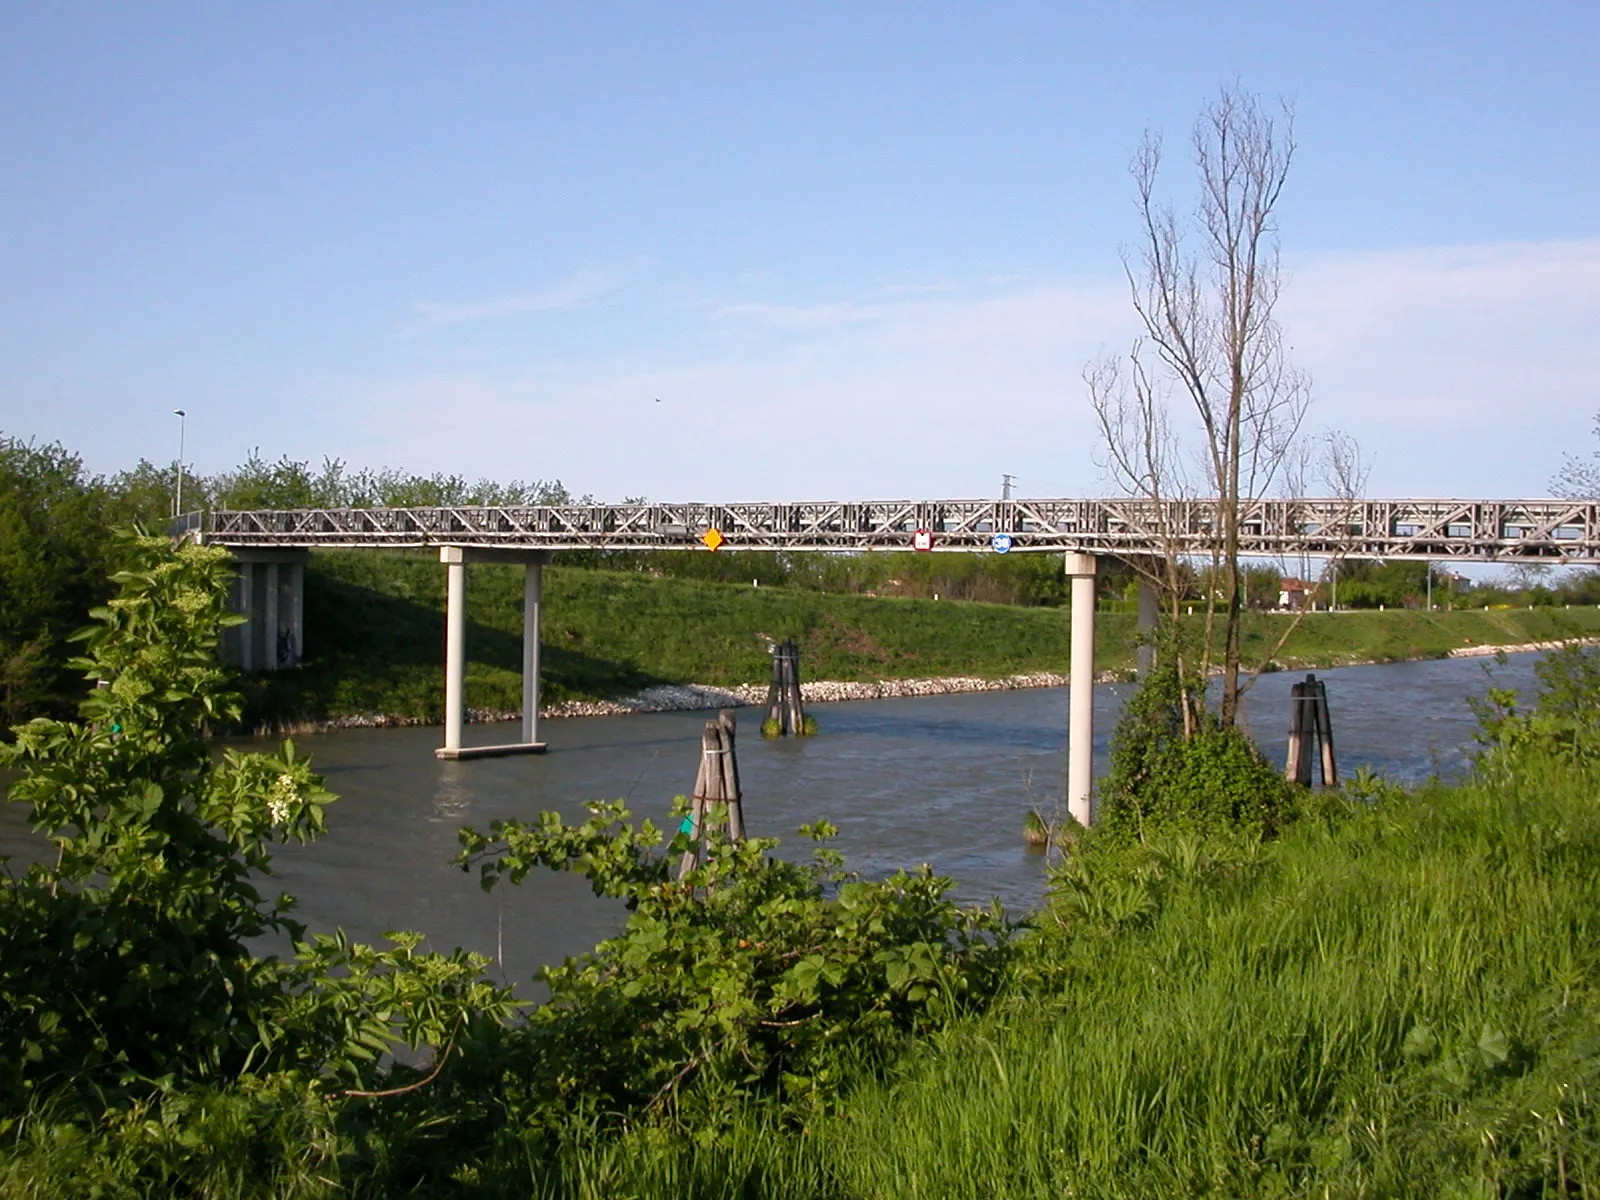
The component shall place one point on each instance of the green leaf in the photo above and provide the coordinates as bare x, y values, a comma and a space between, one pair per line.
1420, 1042
1493, 1046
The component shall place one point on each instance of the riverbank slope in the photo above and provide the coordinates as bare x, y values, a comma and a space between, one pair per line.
375, 634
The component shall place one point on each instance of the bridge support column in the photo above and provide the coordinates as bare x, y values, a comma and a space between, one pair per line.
269, 619
456, 559
1149, 616
532, 594
455, 651
269, 592
244, 635
1080, 693
295, 623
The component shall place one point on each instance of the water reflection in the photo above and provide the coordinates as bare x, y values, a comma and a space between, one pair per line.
453, 799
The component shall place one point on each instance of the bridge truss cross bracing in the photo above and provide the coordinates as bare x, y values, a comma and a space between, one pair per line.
1553, 531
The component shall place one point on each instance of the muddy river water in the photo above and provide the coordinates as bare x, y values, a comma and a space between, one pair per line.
945, 780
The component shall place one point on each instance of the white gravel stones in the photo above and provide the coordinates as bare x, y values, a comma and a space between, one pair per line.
685, 697
1491, 651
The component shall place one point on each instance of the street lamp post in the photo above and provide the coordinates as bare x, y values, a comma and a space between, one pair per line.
177, 500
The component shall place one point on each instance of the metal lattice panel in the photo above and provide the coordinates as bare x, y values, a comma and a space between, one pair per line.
1483, 530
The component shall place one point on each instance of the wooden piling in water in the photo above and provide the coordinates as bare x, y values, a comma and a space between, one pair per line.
1296, 769
716, 782
786, 715
1310, 734
1330, 770
728, 758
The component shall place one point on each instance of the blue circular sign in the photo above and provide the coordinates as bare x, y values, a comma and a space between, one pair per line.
1001, 543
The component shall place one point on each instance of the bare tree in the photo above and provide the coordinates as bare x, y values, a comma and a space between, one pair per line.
1205, 289
1579, 479
1330, 463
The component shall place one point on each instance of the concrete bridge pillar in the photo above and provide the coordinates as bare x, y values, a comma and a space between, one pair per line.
1149, 617
456, 560
236, 642
1080, 693
455, 650
269, 592
532, 595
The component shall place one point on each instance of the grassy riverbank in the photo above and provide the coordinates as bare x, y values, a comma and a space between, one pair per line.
375, 634
1398, 998
1394, 1001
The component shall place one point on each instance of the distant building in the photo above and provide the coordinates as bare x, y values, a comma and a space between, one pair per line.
1295, 594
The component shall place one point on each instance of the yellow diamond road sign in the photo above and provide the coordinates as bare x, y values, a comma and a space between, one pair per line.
712, 538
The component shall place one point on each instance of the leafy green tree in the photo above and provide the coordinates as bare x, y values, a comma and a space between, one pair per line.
53, 558
142, 496
286, 483
125, 960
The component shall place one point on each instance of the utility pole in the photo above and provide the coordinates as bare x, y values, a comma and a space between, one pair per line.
1005, 486
1429, 567
177, 499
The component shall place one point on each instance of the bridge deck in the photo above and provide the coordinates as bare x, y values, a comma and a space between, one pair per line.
1476, 530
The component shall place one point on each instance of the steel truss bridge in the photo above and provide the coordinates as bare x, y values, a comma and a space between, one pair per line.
1554, 531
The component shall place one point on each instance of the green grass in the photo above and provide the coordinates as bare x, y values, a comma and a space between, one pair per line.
1401, 1004
375, 636
1328, 639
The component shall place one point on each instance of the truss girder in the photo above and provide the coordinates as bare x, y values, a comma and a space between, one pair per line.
1482, 530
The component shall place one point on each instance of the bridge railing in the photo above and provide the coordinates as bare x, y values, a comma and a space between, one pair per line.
1485, 530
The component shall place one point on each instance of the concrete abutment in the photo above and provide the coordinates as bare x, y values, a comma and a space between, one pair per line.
269, 588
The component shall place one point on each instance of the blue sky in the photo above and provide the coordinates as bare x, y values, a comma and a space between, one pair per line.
855, 249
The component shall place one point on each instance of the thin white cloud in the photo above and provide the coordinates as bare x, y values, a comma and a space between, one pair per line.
1462, 370
792, 316
576, 290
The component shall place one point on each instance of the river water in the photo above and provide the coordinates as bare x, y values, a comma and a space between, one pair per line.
944, 780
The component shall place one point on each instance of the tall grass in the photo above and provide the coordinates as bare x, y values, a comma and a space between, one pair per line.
1398, 1004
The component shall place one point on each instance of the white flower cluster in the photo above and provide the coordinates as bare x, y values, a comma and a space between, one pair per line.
282, 800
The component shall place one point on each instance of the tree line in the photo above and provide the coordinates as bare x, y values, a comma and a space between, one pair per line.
58, 551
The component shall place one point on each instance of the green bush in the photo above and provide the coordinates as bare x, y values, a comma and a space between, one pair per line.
124, 963
750, 978
1564, 720
1171, 775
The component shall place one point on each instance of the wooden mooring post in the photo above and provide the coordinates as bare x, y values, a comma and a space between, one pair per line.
717, 782
1310, 734
786, 714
